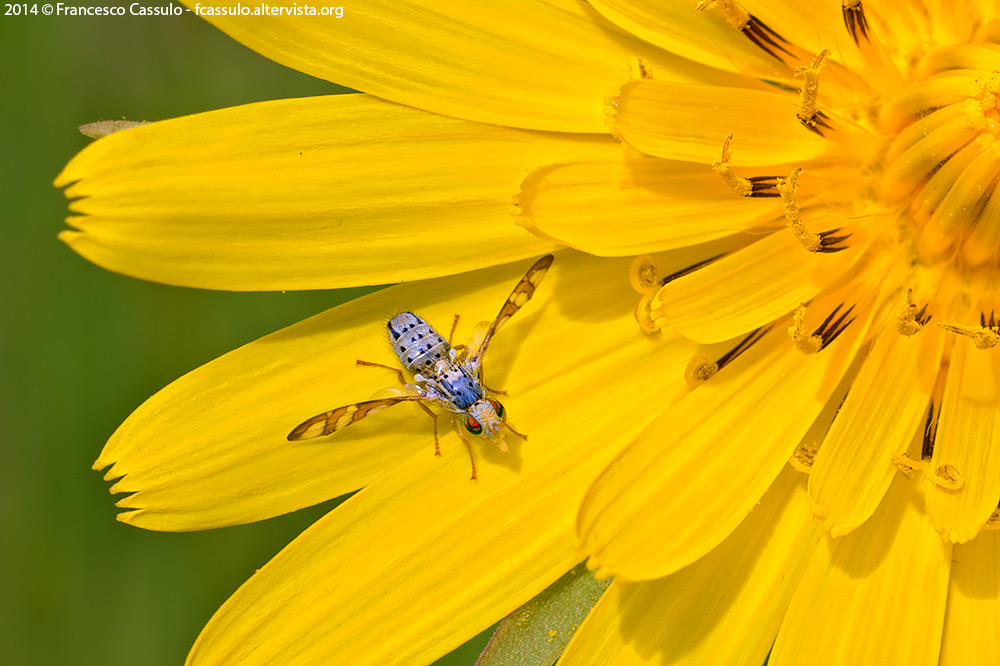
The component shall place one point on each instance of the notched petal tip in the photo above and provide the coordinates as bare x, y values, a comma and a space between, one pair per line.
69, 236
110, 472
126, 502
118, 483
611, 114
129, 517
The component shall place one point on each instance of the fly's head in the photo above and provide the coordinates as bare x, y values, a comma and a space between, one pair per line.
485, 418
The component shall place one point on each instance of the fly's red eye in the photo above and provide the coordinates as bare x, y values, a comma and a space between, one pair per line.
473, 426
498, 407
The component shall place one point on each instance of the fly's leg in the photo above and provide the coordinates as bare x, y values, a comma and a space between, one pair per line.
468, 446
514, 432
402, 380
399, 373
437, 444
457, 351
472, 457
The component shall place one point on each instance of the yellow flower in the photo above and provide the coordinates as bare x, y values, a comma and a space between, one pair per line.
820, 180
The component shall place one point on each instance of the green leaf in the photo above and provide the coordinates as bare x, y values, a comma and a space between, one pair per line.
537, 633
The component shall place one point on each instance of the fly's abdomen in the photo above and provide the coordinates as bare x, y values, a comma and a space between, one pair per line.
418, 346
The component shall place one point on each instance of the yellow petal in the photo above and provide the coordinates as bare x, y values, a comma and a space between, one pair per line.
531, 64
690, 122
691, 477
876, 596
880, 417
968, 438
972, 622
725, 609
307, 193
210, 449
812, 26
614, 207
707, 38
435, 556
749, 288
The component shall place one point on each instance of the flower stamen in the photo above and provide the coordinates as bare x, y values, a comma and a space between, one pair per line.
855, 20
808, 114
638, 68
906, 465
984, 336
911, 321
753, 28
824, 241
787, 188
742, 186
756, 186
735, 14
648, 320
700, 369
947, 476
804, 456
823, 335
644, 274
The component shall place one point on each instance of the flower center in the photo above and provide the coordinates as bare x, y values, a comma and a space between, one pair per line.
942, 162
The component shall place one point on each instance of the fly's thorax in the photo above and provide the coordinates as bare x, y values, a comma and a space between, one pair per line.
461, 387
419, 347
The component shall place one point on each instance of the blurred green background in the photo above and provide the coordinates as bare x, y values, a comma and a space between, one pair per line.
81, 347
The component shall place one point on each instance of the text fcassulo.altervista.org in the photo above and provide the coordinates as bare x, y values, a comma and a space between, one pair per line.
267, 10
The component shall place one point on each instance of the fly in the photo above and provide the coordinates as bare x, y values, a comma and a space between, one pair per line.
450, 378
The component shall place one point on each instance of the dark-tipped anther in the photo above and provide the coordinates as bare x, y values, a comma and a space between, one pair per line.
763, 187
764, 38
930, 431
690, 269
921, 317
829, 243
855, 21
741, 347
992, 324
812, 125
831, 328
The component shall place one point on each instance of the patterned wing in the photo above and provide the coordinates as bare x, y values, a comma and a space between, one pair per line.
522, 293
330, 422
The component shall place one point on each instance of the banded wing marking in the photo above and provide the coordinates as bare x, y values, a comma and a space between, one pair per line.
330, 422
522, 293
